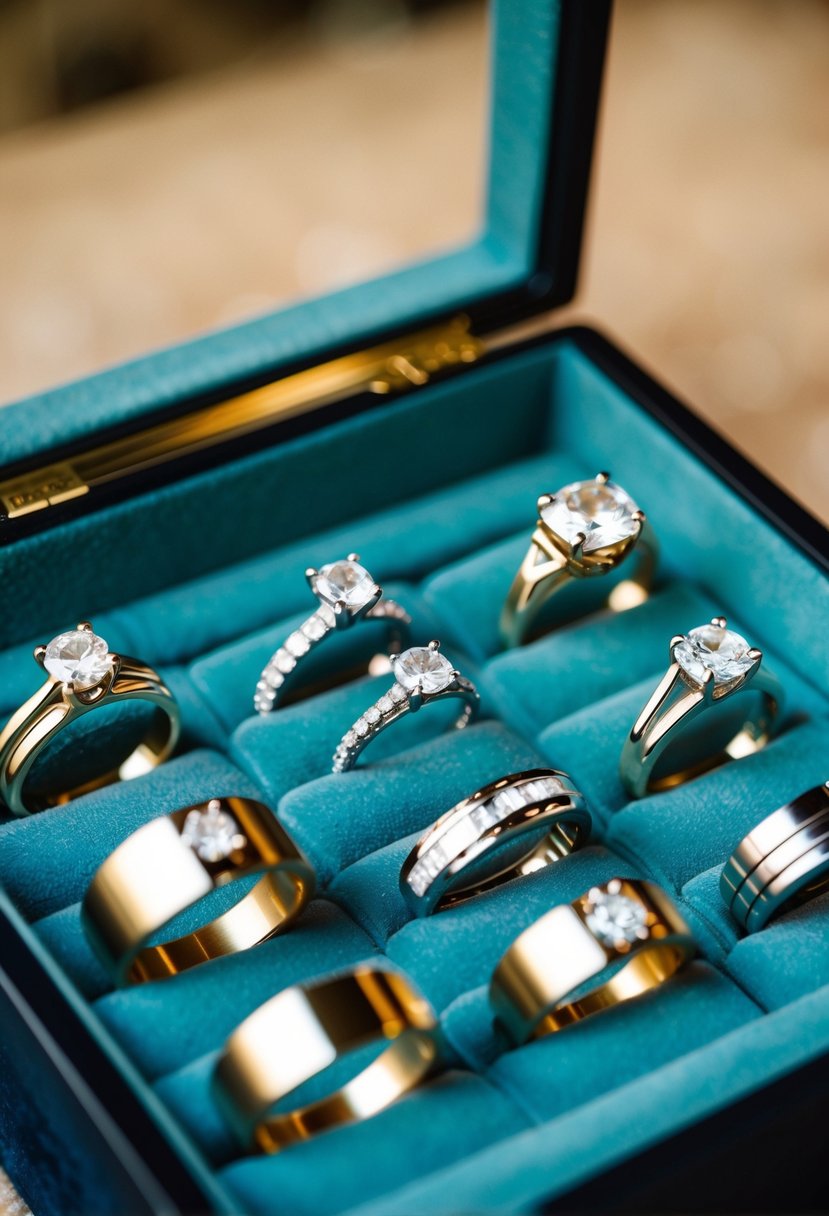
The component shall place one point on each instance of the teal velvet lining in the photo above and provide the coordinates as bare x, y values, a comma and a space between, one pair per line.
444, 537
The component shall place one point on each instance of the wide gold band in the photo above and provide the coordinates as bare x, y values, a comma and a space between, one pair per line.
56, 705
548, 570
170, 864
305, 1029
539, 986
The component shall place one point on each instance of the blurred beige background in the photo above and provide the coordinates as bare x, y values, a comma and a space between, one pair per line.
189, 165
176, 166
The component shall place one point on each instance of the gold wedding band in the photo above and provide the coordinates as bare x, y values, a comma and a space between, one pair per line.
305, 1029
83, 675
173, 862
538, 986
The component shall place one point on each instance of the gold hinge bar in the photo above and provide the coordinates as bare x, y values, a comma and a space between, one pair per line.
394, 366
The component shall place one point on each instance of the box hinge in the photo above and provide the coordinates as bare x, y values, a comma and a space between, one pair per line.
405, 363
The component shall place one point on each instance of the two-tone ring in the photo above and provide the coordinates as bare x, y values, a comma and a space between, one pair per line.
709, 666
347, 594
586, 530
83, 675
463, 853
782, 862
422, 676
171, 864
625, 928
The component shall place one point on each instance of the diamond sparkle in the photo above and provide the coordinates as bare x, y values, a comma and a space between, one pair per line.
211, 833
78, 657
615, 918
345, 582
716, 649
424, 668
600, 510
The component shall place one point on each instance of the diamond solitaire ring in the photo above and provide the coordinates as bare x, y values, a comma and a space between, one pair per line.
170, 864
83, 674
422, 675
541, 984
709, 666
782, 862
586, 530
298, 1034
462, 854
347, 593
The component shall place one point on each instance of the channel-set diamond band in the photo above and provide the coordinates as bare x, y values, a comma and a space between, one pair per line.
422, 675
709, 665
173, 862
347, 594
83, 675
586, 530
462, 854
541, 983
782, 862
301, 1032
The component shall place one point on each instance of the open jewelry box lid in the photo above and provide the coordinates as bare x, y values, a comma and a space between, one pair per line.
546, 66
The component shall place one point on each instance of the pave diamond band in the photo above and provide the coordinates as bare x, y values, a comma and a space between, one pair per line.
423, 675
301, 1032
172, 863
783, 861
347, 594
709, 665
83, 675
462, 853
584, 531
631, 927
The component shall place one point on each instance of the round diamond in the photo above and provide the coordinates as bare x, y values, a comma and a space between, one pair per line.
713, 648
345, 581
422, 667
602, 511
78, 657
212, 834
615, 918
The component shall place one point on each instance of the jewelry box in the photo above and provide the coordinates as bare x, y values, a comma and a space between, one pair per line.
176, 502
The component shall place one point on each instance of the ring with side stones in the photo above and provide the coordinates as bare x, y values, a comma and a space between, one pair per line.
347, 594
172, 863
83, 675
781, 863
709, 665
539, 986
302, 1031
422, 675
586, 530
462, 854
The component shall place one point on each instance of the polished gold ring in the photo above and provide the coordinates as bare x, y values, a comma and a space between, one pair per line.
586, 530
83, 675
173, 862
711, 670
305, 1029
540, 984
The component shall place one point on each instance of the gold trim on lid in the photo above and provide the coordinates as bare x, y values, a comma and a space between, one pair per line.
391, 367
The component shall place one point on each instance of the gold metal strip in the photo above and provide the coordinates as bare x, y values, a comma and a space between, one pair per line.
393, 366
